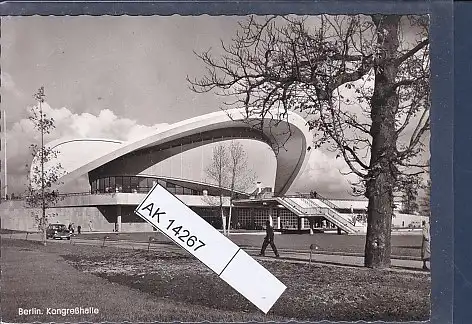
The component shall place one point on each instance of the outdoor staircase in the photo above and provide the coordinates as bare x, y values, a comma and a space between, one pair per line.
305, 207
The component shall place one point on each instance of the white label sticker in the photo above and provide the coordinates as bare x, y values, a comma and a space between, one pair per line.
191, 232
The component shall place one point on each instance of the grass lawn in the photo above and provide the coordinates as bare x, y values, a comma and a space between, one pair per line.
402, 245
34, 276
183, 289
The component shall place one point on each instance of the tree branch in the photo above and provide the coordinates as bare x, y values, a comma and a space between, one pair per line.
411, 52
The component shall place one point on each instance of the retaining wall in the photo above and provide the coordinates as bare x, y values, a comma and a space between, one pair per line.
16, 216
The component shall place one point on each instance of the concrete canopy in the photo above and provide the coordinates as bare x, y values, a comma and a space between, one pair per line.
288, 136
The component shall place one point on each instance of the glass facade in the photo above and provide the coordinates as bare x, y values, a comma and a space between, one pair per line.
129, 184
244, 218
256, 218
288, 220
136, 184
260, 217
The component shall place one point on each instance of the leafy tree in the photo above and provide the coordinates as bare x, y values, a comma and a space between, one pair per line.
361, 81
45, 172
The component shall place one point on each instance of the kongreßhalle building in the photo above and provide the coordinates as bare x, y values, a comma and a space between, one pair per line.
120, 174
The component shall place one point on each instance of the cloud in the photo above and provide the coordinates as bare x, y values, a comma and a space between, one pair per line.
9, 85
68, 125
323, 175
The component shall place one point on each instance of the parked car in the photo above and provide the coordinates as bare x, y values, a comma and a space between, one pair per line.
415, 224
58, 231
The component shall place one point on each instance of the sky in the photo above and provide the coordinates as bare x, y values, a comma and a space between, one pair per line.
122, 78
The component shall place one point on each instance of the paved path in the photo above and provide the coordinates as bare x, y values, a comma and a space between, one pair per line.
285, 255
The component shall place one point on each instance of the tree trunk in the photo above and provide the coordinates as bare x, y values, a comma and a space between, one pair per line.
44, 226
229, 217
233, 179
223, 221
222, 213
382, 172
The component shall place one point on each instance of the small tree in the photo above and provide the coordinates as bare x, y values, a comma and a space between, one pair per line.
240, 175
44, 172
216, 171
228, 169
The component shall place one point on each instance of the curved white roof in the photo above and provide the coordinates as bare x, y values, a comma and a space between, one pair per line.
288, 136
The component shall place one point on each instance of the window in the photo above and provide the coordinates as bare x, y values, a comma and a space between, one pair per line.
143, 183
107, 185
179, 190
188, 191
126, 184
261, 215
171, 188
134, 184
93, 186
150, 183
101, 185
306, 223
119, 184
112, 184
288, 219
162, 183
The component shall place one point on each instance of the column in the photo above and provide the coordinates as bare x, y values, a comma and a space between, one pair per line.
118, 219
270, 216
302, 224
278, 218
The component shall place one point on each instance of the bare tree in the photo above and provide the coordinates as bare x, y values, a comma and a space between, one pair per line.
45, 173
216, 171
229, 170
361, 81
241, 177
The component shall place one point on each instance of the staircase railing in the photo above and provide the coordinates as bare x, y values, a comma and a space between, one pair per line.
336, 218
317, 210
327, 202
317, 196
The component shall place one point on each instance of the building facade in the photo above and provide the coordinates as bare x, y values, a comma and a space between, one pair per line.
120, 174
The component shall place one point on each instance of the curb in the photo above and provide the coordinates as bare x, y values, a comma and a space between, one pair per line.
393, 268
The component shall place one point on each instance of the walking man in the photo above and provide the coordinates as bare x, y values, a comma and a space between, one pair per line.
269, 239
426, 245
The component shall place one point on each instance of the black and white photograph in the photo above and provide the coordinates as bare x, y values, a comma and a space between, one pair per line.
215, 168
